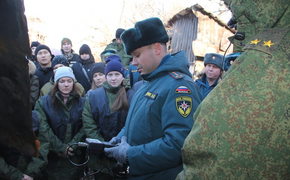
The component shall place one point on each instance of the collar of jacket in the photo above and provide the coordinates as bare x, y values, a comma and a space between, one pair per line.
70, 99
177, 62
111, 89
88, 61
46, 70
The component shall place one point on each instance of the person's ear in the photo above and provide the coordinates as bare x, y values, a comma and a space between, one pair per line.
157, 48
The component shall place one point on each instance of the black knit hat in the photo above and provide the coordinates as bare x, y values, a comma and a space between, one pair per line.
34, 44
113, 64
59, 59
85, 49
119, 31
146, 32
98, 67
42, 47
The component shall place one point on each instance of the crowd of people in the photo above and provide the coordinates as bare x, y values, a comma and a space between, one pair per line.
162, 125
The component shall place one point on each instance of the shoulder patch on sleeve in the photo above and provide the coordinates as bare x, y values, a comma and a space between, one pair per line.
183, 105
267, 40
176, 75
182, 90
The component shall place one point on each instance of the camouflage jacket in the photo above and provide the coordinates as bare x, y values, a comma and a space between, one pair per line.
242, 127
61, 128
119, 47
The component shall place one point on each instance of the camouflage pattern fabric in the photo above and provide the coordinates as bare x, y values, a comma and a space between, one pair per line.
119, 47
241, 128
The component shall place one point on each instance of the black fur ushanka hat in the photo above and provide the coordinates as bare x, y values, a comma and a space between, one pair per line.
146, 32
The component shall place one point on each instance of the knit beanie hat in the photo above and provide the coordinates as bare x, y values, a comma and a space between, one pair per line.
85, 49
98, 68
119, 31
59, 59
42, 47
146, 32
35, 44
64, 40
114, 65
213, 58
113, 58
63, 72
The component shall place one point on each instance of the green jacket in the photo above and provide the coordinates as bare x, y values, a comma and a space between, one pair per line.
33, 168
242, 127
59, 167
119, 47
34, 90
91, 128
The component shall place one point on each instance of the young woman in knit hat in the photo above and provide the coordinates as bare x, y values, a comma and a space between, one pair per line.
60, 116
98, 77
106, 108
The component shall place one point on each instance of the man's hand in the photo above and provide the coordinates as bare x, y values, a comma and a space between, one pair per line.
68, 151
25, 177
119, 152
115, 140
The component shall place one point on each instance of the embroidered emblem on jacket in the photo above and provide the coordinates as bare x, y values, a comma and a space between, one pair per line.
183, 105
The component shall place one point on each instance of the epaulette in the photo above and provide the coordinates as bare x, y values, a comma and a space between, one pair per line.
267, 40
176, 75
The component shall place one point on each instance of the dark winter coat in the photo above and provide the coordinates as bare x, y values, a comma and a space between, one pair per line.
44, 75
72, 57
84, 79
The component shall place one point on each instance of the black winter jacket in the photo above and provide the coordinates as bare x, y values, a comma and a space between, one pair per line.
44, 75
84, 79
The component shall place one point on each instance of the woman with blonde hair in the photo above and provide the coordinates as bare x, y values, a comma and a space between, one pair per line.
106, 109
